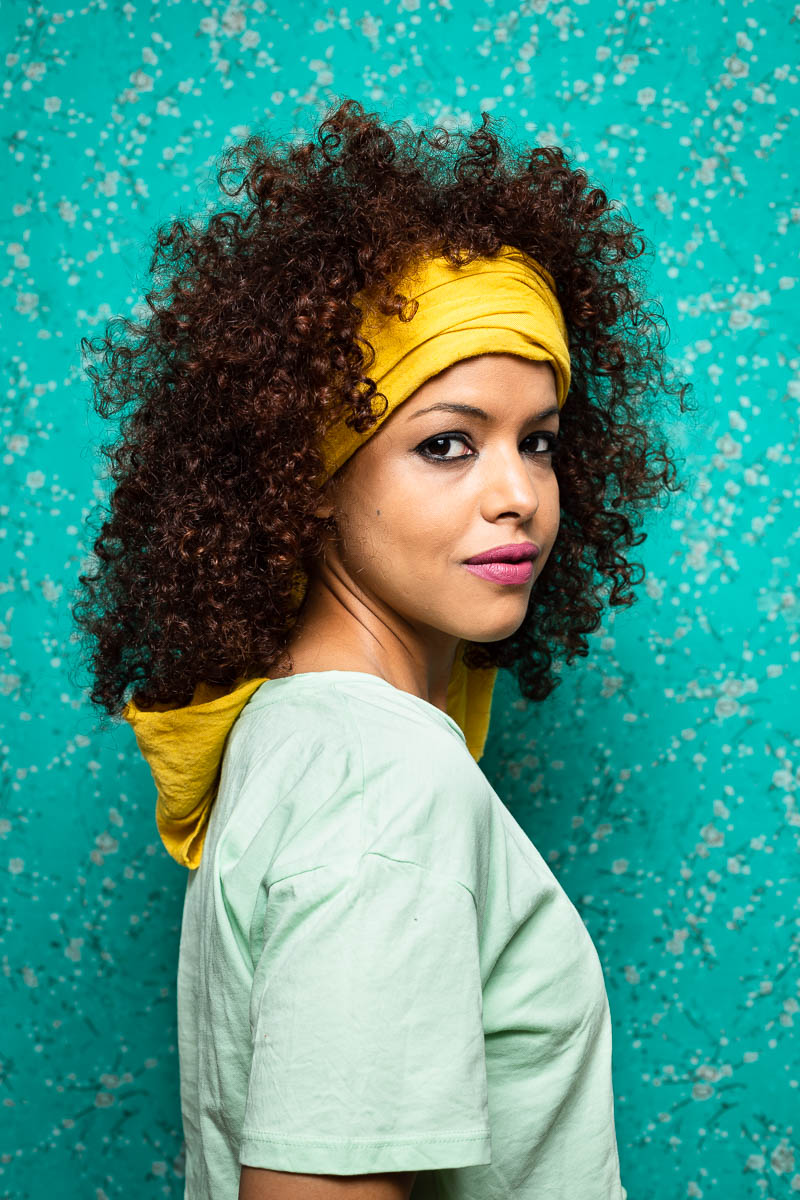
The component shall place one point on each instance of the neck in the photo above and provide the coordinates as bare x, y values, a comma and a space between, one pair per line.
343, 628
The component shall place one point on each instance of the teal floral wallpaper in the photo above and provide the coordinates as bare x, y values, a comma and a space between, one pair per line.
660, 781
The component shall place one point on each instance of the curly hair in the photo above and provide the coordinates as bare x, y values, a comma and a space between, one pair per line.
251, 347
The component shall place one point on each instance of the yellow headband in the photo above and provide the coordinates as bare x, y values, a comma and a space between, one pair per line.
500, 305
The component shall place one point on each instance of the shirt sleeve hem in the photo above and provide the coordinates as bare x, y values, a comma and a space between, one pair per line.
357, 1156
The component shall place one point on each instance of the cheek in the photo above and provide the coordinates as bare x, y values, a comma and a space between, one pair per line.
411, 531
547, 489
400, 527
422, 515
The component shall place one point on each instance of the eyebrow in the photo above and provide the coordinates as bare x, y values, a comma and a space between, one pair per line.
469, 410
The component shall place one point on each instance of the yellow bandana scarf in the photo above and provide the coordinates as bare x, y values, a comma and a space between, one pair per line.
502, 305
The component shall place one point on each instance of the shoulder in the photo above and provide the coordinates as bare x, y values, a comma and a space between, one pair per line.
426, 798
402, 732
348, 724
348, 714
294, 711
331, 769
296, 743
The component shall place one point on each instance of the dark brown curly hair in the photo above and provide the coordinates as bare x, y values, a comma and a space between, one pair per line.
251, 347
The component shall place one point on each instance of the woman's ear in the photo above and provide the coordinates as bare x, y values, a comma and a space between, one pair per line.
328, 492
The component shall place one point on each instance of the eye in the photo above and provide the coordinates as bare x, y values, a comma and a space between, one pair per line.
550, 442
438, 447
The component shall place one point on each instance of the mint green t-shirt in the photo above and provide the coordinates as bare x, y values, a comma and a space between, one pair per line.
378, 971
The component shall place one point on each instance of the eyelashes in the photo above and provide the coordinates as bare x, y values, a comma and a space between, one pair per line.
425, 451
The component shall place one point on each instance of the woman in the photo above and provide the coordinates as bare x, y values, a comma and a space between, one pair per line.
349, 489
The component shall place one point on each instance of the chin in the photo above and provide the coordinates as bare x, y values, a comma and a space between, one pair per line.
493, 633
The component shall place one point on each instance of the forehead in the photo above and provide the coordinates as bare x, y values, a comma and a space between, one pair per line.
492, 379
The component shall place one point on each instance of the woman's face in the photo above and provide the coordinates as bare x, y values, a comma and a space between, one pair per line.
461, 467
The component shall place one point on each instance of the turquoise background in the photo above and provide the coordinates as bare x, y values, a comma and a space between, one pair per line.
660, 780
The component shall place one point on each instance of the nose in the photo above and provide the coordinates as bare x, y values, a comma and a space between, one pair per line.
508, 487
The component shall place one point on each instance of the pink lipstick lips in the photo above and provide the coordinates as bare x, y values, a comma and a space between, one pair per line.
505, 564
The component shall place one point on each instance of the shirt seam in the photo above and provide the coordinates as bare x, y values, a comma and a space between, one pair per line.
410, 862
257, 1135
421, 867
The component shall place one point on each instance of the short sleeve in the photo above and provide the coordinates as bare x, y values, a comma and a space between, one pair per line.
366, 1018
